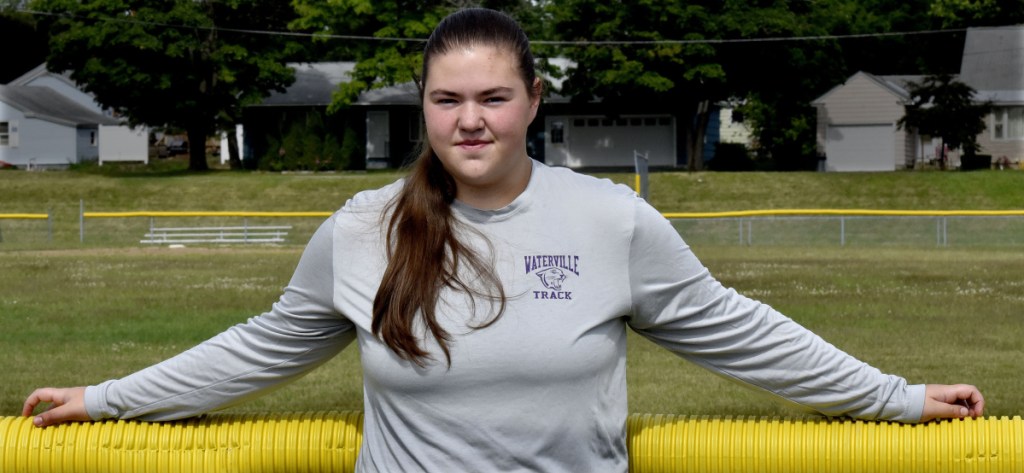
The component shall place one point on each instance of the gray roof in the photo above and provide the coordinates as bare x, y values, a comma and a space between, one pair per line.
315, 84
898, 84
402, 94
45, 103
40, 71
993, 63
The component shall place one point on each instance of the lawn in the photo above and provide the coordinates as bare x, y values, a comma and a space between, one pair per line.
75, 313
80, 316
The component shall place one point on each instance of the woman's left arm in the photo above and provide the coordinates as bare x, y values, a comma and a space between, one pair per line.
680, 306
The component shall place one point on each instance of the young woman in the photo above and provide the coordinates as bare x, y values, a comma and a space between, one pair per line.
490, 296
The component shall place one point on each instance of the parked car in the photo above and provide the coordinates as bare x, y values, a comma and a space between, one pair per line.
177, 146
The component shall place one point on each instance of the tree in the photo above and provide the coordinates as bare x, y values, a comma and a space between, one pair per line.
17, 28
693, 55
944, 107
401, 28
178, 64
960, 13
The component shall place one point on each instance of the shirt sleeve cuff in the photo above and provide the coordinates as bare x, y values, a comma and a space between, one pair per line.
915, 403
95, 402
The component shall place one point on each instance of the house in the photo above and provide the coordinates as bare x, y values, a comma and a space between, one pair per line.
386, 121
46, 121
993, 65
857, 124
857, 129
40, 128
390, 121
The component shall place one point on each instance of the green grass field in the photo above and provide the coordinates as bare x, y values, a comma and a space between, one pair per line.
78, 314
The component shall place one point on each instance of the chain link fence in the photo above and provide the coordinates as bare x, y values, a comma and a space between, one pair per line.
754, 228
847, 230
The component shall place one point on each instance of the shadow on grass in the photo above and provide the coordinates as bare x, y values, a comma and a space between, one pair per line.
168, 167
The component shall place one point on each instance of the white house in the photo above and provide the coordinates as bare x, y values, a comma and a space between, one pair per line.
563, 134
40, 128
41, 111
857, 124
857, 119
993, 64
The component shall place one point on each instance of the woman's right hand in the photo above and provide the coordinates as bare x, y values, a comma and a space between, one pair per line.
66, 405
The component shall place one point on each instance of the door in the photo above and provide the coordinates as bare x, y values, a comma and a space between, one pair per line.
378, 139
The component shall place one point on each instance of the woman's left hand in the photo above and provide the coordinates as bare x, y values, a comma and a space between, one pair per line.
952, 401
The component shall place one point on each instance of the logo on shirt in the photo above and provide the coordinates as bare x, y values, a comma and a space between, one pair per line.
553, 271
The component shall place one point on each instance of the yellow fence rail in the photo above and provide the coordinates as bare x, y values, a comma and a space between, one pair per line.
940, 215
847, 213
725, 214
25, 216
330, 441
202, 214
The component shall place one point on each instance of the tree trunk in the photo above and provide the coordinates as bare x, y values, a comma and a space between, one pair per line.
197, 150
942, 154
234, 160
695, 136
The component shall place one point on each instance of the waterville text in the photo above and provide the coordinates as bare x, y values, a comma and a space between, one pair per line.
569, 263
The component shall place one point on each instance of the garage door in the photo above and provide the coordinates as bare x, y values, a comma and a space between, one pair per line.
595, 141
860, 148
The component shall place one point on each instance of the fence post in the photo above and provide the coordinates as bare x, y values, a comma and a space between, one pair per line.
49, 224
640, 163
81, 220
941, 237
842, 230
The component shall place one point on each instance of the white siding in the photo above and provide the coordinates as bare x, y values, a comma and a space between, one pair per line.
1012, 149
860, 148
10, 153
121, 143
863, 101
44, 143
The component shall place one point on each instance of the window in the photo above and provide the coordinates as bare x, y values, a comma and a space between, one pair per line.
1008, 123
558, 132
9, 134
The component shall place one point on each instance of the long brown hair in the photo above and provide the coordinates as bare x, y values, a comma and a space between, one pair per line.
425, 254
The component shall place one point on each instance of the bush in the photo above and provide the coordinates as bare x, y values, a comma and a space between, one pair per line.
731, 157
309, 145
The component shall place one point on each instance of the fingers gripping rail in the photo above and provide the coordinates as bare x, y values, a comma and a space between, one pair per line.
329, 441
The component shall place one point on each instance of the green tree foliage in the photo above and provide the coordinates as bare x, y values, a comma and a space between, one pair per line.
960, 13
772, 56
379, 63
944, 107
401, 27
688, 61
26, 44
180, 64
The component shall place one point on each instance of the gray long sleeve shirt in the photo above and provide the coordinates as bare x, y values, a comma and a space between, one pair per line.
543, 388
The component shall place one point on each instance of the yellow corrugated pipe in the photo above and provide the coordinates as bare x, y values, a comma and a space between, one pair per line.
329, 441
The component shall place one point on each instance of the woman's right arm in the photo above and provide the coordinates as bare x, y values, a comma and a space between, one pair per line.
301, 331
